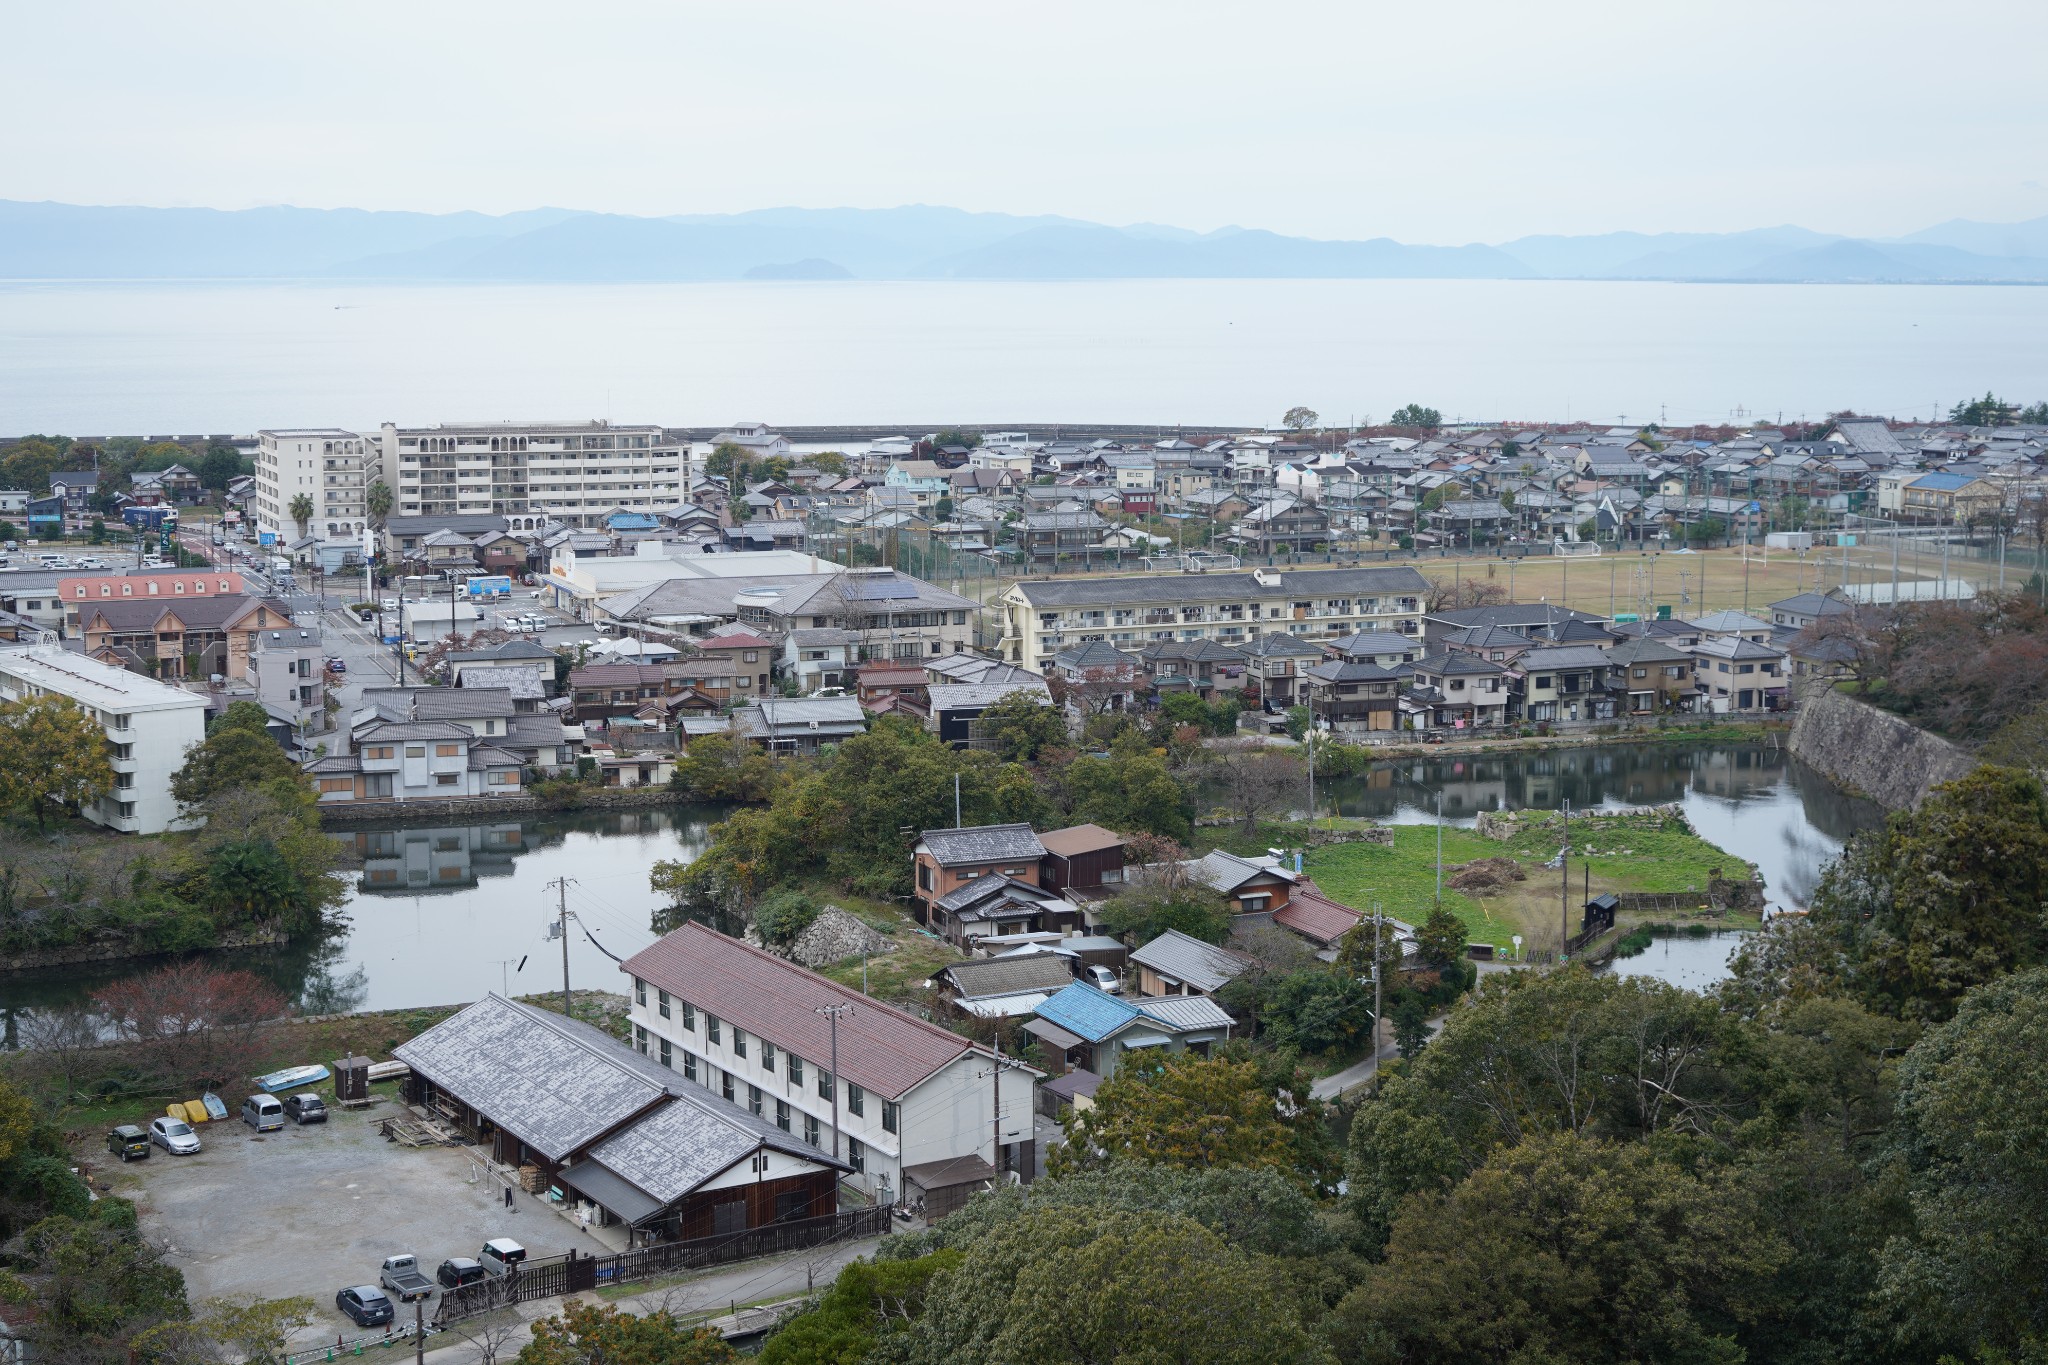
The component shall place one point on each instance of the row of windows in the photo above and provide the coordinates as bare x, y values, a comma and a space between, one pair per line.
793, 1066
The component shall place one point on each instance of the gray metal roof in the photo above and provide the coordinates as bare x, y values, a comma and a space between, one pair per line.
1008, 975
1185, 1013
553, 1083
1201, 966
1213, 587
954, 696
983, 844
685, 1143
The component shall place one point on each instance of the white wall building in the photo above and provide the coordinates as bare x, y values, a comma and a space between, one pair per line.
752, 1027
332, 467
149, 726
572, 472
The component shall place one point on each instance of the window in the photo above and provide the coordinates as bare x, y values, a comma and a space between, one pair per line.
856, 1099
739, 1042
661, 1004
796, 1069
725, 1087
640, 1039
856, 1152
782, 1115
811, 1133
754, 1099
711, 1027
665, 1053
445, 779
415, 751
689, 1066
447, 751
824, 1084
377, 751
891, 1115
767, 1055
924, 876
1253, 904
689, 1016
639, 991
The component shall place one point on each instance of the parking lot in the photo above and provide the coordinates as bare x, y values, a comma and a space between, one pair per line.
314, 1210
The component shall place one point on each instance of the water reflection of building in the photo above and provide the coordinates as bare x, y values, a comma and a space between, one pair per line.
444, 858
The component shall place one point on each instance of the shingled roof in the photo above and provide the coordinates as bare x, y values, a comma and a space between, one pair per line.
983, 844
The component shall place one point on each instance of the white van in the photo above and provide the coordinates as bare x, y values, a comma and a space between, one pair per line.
263, 1112
501, 1256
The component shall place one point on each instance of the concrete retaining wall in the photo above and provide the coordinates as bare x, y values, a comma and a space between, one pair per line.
1870, 752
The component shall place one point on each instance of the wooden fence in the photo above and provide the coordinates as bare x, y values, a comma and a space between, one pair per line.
572, 1274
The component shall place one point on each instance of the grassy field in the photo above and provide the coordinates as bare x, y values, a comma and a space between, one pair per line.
897, 973
1608, 855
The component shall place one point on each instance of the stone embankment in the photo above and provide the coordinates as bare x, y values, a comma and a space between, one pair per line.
1870, 752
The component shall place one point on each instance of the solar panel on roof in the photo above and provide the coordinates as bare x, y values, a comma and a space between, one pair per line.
882, 590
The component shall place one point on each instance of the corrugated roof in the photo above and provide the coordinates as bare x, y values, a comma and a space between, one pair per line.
983, 844
1187, 959
1087, 1013
1077, 839
1009, 975
880, 1049
1185, 1013
688, 1141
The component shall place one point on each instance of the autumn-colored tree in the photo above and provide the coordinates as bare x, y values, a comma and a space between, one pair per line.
1192, 1111
586, 1334
52, 752
1252, 780
189, 1023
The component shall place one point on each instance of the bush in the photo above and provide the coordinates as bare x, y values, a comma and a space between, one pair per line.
782, 917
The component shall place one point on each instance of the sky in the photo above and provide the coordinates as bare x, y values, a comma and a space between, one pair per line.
1445, 123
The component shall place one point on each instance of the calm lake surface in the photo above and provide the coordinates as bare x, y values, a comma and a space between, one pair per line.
134, 358
443, 913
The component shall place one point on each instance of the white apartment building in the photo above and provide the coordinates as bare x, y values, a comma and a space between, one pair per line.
572, 472
332, 467
149, 726
1044, 616
909, 1097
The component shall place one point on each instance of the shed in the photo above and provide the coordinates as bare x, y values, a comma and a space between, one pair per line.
940, 1187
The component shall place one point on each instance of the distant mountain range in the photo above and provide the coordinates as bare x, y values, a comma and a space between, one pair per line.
917, 242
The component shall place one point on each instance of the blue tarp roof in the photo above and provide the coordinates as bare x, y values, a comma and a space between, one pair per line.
1087, 1013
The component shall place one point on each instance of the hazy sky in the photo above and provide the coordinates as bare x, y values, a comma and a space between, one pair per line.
1444, 122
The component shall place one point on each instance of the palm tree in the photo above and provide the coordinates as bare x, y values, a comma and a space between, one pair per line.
379, 500
301, 509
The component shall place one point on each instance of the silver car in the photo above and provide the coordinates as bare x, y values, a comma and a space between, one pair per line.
174, 1136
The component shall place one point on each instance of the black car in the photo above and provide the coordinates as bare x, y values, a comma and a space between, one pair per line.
365, 1305
458, 1271
305, 1107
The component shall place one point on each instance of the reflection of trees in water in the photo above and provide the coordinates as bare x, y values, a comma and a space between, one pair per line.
324, 990
1831, 810
1623, 774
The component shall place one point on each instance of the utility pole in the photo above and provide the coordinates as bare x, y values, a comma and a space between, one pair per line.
1439, 848
1376, 996
561, 885
833, 1013
1564, 886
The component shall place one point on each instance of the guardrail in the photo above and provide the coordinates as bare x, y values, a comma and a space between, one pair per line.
342, 1349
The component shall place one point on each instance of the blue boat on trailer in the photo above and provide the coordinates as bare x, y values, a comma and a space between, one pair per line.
293, 1077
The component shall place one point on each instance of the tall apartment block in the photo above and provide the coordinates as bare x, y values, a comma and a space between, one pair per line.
572, 472
332, 467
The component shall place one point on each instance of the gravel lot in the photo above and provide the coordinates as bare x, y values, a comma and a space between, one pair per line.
313, 1210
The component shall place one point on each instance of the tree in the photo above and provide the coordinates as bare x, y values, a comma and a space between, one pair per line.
1458, 593
1145, 911
1440, 942
1565, 1248
378, 500
728, 460
585, 1334
1411, 1026
827, 462
1971, 1137
1988, 411
228, 1331
782, 917
1943, 898
1190, 1111
98, 1287
1415, 415
219, 467
52, 751
1300, 418
238, 751
2034, 415
953, 436
300, 510
1130, 791
868, 1300
1252, 780
1300, 720
189, 1023
1317, 1010
1022, 726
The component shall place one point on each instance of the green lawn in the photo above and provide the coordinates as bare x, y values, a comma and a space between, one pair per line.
1402, 877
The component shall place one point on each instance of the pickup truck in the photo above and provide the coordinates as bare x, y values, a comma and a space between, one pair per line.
401, 1275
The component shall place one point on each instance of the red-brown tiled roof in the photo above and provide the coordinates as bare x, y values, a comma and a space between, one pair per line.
882, 1050
734, 639
1313, 915
1079, 839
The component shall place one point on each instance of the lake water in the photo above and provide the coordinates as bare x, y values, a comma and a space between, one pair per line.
133, 358
443, 913
1682, 959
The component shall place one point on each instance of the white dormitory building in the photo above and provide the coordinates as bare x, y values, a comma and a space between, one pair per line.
332, 467
149, 726
913, 1101
571, 472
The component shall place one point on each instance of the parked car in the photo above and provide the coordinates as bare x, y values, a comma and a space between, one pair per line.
1102, 979
263, 1113
174, 1136
389, 604
337, 665
458, 1271
305, 1107
365, 1305
501, 1256
401, 1276
129, 1143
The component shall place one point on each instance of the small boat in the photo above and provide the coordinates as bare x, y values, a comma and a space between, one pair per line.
292, 1077
215, 1106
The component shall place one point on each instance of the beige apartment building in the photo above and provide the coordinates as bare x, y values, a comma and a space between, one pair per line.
332, 467
571, 472
1041, 617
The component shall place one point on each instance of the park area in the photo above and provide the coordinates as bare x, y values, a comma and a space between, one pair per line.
1511, 884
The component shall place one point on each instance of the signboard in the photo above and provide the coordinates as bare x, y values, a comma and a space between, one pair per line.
493, 585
